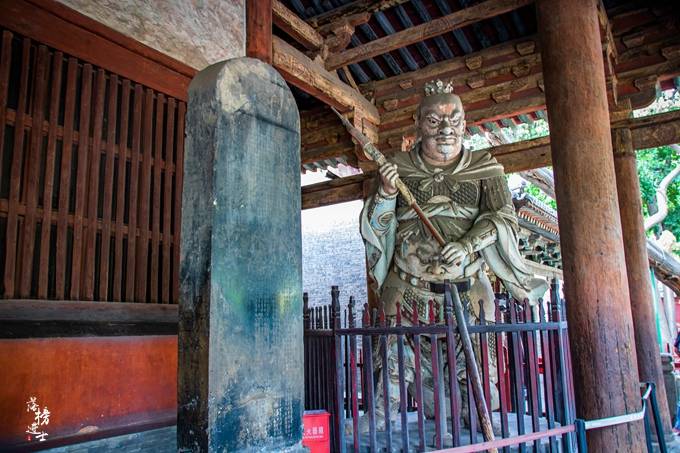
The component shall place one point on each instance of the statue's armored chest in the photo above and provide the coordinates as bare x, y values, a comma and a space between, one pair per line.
464, 193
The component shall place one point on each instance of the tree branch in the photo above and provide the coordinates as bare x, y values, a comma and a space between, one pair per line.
661, 199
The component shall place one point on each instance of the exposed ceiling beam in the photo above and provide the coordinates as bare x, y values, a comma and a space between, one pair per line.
652, 131
656, 130
523, 155
498, 83
311, 77
356, 7
294, 26
320, 154
436, 27
506, 80
648, 132
334, 191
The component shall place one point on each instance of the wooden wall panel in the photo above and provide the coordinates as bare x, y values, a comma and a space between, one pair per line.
57, 26
90, 180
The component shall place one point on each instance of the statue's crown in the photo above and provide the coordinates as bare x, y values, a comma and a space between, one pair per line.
438, 87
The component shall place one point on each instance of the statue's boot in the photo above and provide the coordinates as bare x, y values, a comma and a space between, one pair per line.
447, 440
364, 424
465, 418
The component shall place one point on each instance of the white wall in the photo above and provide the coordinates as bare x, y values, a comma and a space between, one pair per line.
195, 32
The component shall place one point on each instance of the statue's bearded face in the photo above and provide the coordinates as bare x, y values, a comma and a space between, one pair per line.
440, 126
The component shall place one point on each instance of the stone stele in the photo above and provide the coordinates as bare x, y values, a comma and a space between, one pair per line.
240, 383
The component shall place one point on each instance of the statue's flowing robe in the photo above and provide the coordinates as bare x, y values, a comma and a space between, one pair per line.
455, 198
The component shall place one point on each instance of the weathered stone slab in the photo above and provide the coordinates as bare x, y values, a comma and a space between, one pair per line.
241, 379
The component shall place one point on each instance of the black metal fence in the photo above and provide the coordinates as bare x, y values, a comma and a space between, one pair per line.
523, 356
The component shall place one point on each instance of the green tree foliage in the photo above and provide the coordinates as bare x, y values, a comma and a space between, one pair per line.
655, 163
533, 189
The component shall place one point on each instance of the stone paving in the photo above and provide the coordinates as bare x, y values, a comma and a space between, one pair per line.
430, 434
163, 440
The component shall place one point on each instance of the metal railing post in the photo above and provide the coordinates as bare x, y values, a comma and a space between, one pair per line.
581, 435
648, 428
562, 341
657, 420
339, 372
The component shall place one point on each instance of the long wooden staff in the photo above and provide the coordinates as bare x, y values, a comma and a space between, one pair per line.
375, 155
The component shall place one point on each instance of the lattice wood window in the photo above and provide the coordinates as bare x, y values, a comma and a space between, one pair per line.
90, 180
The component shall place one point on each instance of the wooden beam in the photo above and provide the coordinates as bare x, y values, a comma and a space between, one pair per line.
436, 27
311, 77
334, 191
648, 132
352, 8
524, 155
652, 131
514, 157
50, 318
506, 80
76, 311
319, 154
474, 67
501, 82
259, 29
666, 266
656, 130
295, 27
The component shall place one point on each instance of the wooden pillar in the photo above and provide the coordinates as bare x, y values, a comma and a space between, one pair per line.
637, 265
596, 286
259, 30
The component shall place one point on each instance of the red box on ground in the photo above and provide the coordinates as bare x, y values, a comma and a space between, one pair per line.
316, 431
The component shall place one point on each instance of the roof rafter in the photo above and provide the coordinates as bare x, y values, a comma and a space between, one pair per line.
294, 26
356, 7
499, 86
454, 21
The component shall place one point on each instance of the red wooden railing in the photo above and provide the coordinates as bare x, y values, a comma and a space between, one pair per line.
520, 339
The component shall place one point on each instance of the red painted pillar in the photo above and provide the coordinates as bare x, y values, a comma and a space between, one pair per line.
259, 30
596, 286
637, 265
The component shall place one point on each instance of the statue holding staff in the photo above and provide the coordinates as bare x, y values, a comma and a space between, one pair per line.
465, 196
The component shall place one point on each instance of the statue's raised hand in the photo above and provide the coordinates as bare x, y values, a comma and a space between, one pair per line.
454, 252
389, 174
